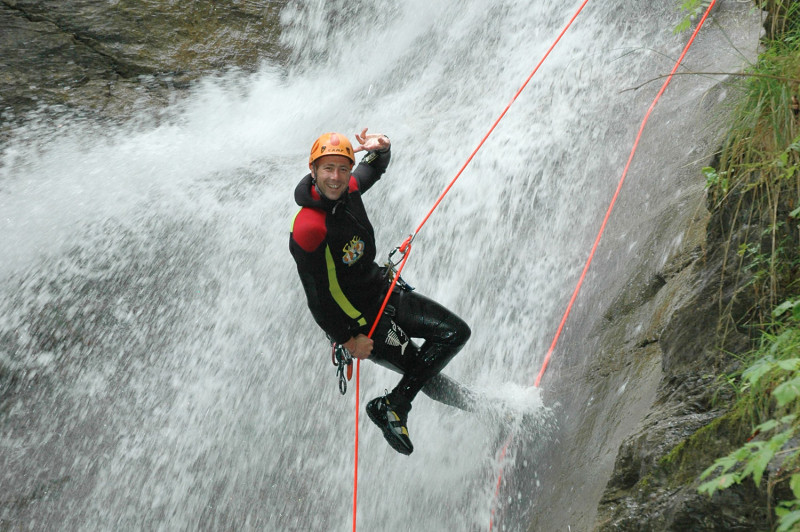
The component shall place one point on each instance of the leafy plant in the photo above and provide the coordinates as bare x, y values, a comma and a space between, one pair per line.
754, 186
691, 9
714, 179
754, 456
775, 373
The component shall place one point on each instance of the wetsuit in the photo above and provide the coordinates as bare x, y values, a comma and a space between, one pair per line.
333, 245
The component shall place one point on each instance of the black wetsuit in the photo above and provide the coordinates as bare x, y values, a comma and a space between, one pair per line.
333, 244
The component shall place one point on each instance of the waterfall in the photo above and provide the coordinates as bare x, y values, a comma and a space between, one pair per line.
159, 368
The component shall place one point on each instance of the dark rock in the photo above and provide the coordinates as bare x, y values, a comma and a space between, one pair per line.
657, 469
656, 474
107, 59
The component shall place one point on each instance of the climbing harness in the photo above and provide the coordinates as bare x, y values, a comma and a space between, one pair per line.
390, 272
343, 361
340, 356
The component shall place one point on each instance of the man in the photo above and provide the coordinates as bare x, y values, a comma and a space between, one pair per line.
333, 244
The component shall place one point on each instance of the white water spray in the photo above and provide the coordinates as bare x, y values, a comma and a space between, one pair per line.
160, 369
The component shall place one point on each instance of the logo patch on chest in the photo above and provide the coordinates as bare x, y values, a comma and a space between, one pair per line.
353, 251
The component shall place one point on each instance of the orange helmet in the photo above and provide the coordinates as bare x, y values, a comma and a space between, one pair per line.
332, 144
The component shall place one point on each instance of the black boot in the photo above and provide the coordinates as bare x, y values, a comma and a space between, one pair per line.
391, 417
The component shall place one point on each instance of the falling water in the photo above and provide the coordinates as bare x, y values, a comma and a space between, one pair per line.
158, 366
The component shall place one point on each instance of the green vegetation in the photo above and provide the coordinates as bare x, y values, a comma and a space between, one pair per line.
691, 10
753, 189
770, 390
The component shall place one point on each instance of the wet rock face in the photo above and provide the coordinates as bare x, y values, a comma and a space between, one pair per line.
103, 56
656, 473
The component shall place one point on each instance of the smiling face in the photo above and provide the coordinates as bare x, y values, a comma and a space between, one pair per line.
332, 174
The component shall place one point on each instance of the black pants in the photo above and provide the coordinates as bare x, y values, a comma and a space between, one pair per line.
412, 315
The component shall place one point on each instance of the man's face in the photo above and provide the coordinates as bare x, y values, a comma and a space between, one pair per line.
332, 173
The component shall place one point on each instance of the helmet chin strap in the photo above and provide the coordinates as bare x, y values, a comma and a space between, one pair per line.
314, 179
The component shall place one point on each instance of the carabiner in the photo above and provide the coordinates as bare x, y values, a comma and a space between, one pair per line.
341, 357
402, 248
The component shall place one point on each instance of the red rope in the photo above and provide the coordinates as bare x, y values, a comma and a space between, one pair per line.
605, 220
355, 458
405, 248
494, 125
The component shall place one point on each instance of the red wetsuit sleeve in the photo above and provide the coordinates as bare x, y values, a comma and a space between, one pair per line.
308, 229
307, 245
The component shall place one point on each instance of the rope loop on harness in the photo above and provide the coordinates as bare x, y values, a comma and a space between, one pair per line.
406, 245
403, 248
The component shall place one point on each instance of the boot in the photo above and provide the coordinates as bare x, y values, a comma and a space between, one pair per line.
391, 419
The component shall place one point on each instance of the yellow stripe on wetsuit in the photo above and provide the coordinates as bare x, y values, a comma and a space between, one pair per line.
336, 290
